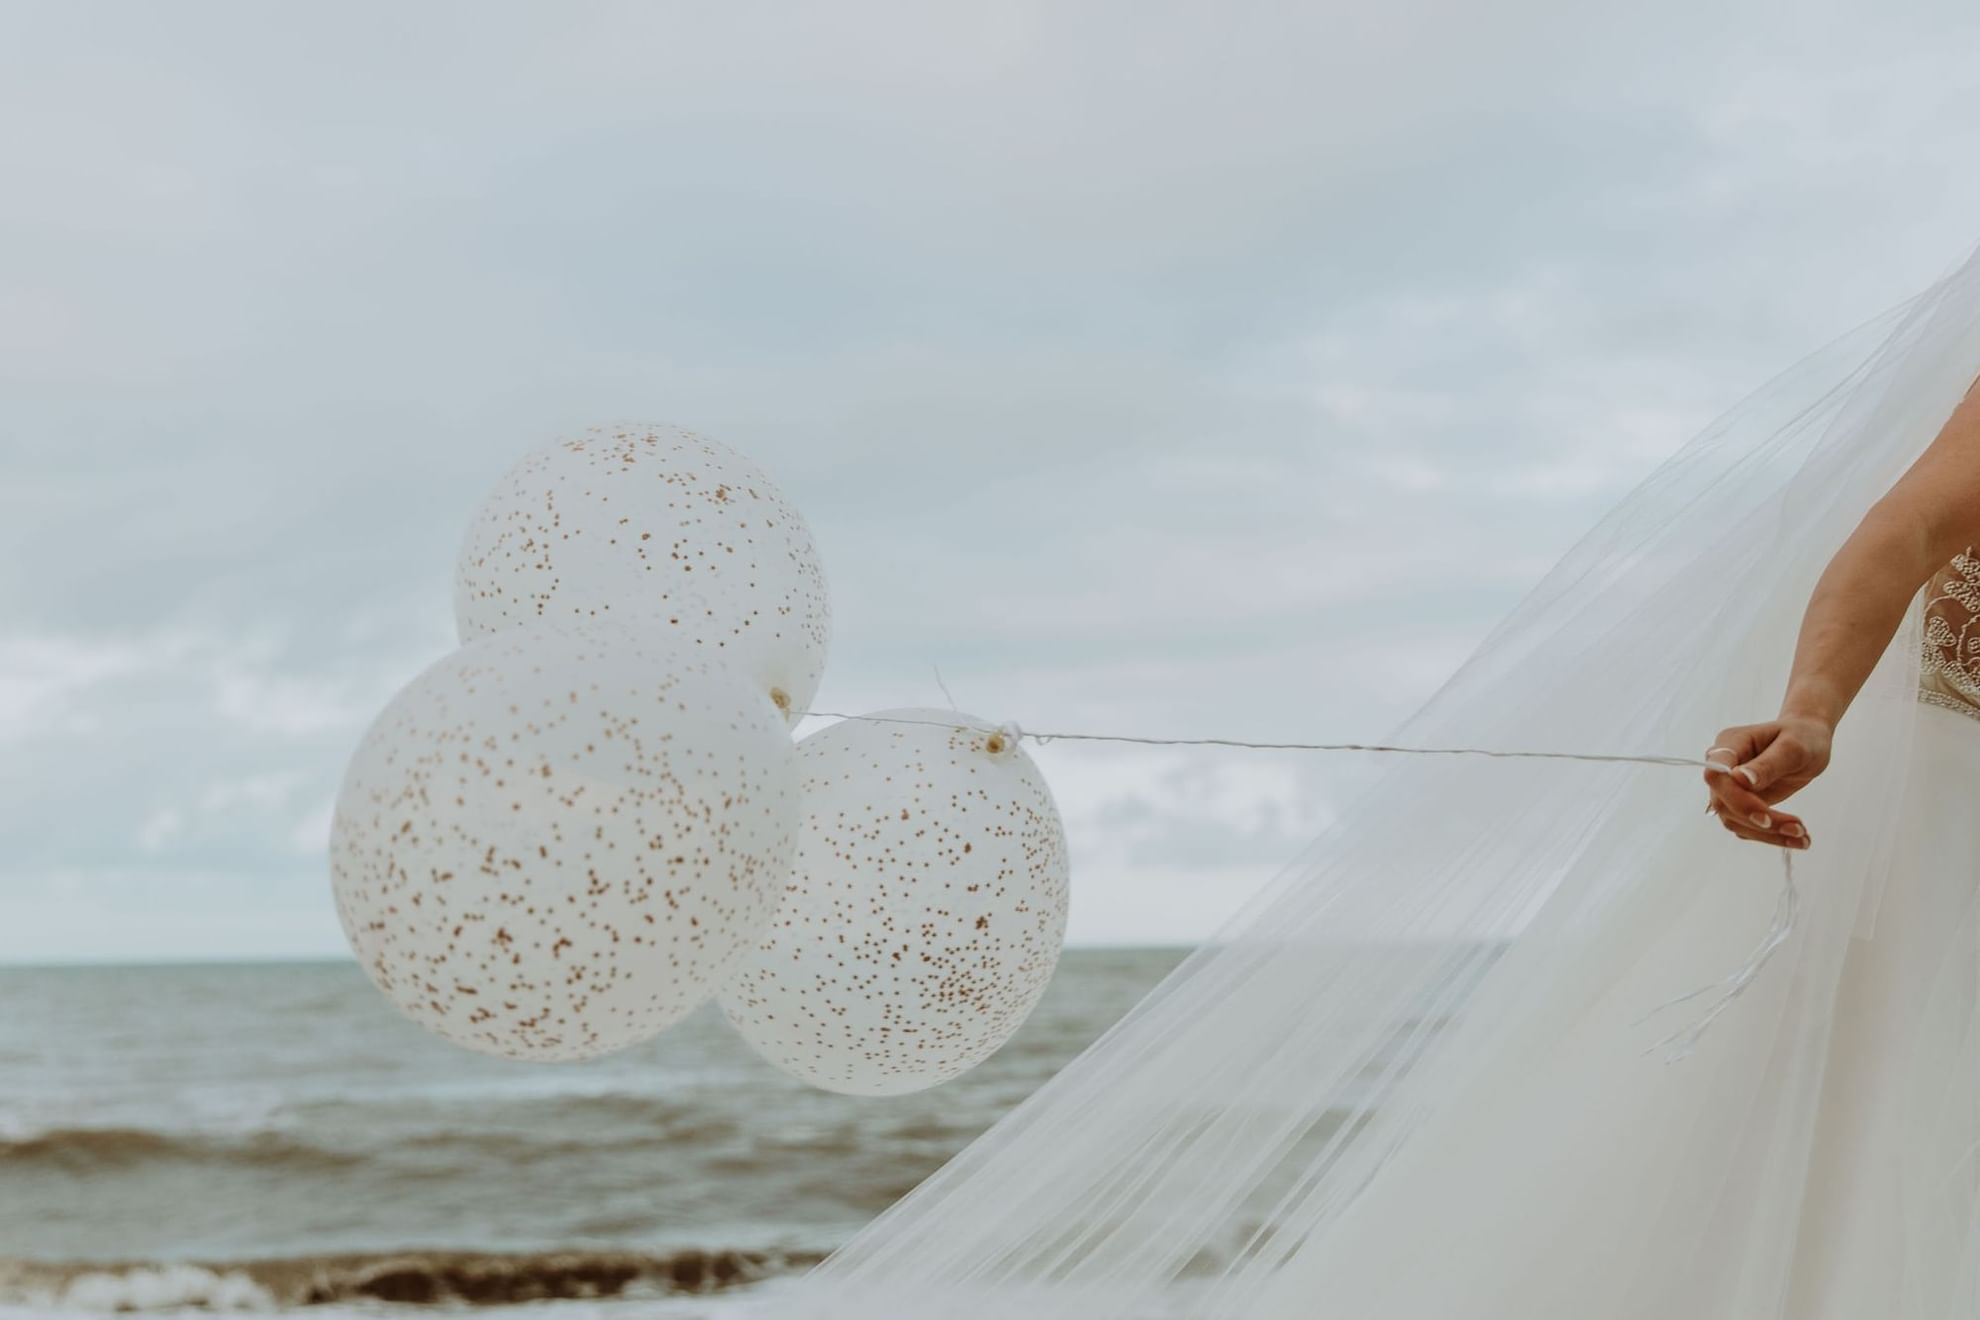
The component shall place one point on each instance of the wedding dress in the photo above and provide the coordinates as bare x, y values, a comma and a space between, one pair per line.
1581, 1156
1429, 1074
1893, 1207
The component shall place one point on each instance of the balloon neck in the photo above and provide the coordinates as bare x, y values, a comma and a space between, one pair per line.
1003, 740
781, 699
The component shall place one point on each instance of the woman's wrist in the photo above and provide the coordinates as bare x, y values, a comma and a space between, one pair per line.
1814, 701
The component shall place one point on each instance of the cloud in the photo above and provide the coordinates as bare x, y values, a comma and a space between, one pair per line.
160, 828
1213, 372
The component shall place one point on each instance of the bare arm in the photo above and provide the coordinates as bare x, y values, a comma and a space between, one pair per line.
1931, 514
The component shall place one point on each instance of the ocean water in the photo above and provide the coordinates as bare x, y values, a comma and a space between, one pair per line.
276, 1137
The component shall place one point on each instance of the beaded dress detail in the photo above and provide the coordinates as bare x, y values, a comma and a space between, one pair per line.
1949, 669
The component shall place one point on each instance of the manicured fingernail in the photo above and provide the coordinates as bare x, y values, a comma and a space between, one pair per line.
1792, 830
1747, 772
1762, 819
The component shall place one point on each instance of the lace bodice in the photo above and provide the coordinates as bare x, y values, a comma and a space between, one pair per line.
1949, 670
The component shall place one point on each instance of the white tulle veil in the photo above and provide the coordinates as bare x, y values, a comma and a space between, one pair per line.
1475, 929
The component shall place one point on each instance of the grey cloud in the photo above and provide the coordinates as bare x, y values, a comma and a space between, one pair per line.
1215, 372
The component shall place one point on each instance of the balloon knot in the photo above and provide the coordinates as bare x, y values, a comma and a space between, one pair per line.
1004, 739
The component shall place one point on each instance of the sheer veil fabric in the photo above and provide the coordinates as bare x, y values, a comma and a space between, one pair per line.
1409, 1080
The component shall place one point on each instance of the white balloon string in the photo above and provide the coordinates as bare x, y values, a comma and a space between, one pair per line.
1677, 1045
946, 694
1041, 738
1683, 1041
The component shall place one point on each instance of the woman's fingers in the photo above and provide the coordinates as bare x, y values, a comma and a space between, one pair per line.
1779, 758
1735, 783
1783, 834
1738, 802
1752, 766
1732, 747
1797, 842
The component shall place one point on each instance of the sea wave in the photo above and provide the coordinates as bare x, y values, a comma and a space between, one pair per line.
442, 1278
88, 1148
285, 1145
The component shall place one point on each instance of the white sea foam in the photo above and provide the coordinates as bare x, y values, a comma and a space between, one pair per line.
157, 1288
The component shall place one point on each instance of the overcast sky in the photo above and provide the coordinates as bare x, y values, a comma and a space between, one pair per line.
1218, 369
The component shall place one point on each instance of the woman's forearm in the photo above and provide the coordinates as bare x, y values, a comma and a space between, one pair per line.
1854, 612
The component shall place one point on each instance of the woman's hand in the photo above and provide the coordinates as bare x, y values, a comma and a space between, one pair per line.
1766, 763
